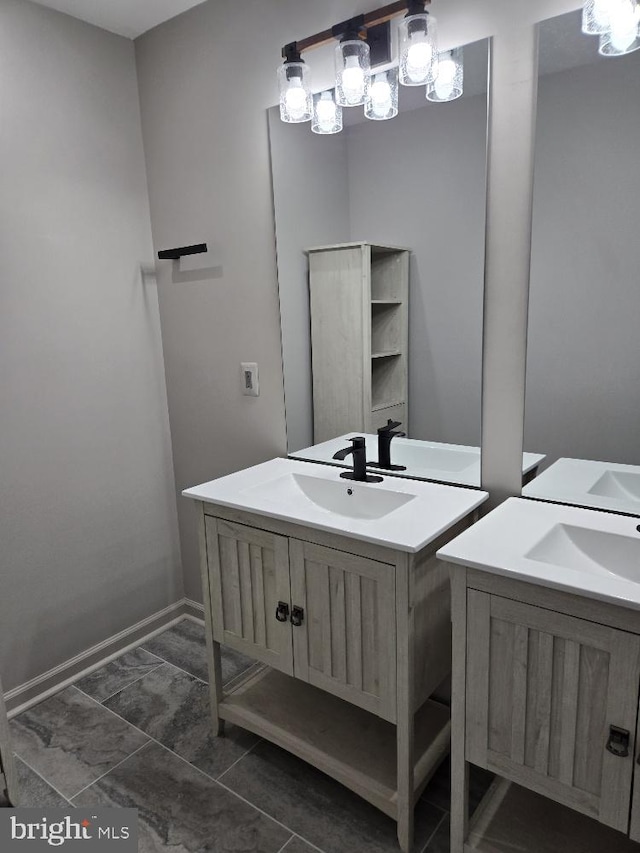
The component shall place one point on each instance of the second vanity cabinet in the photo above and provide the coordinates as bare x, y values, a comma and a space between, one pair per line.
356, 637
548, 686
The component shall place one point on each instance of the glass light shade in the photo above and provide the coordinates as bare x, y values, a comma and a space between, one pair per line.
595, 17
295, 94
623, 35
327, 115
418, 49
353, 67
382, 99
449, 79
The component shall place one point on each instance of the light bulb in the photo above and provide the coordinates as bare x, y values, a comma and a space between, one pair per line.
623, 22
353, 80
445, 78
380, 96
601, 13
326, 112
418, 61
296, 99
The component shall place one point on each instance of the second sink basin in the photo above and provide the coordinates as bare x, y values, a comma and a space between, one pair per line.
582, 549
343, 497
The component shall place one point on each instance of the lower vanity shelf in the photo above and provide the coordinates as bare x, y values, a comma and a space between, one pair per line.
347, 743
514, 818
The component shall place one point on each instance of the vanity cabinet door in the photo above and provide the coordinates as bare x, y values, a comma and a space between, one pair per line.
249, 577
543, 691
345, 642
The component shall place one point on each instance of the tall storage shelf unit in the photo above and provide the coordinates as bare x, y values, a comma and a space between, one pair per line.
359, 337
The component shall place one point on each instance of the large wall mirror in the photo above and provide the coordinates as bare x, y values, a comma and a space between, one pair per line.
583, 355
378, 228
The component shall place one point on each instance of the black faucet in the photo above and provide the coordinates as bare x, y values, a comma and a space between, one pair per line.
385, 434
359, 451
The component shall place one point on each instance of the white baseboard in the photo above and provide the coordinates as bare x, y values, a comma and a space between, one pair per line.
42, 686
194, 610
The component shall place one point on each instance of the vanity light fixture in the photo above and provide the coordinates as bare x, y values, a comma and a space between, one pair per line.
617, 22
418, 51
449, 77
293, 79
382, 99
327, 114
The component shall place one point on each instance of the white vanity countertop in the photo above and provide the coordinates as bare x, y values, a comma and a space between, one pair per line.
607, 485
581, 551
430, 460
316, 496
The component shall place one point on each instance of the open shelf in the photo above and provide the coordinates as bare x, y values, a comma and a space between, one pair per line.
385, 354
386, 274
513, 818
387, 381
386, 301
347, 743
386, 326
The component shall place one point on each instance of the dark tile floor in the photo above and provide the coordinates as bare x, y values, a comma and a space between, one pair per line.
136, 733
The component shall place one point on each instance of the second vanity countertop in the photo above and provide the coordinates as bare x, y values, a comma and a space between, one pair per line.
401, 514
606, 485
581, 551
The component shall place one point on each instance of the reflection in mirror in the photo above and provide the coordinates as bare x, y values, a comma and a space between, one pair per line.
383, 224
583, 357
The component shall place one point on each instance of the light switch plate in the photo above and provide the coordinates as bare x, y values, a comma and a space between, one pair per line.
250, 380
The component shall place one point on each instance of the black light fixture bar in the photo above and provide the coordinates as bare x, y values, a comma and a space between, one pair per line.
369, 19
176, 254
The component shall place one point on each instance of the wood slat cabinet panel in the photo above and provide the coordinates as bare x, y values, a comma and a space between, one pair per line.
543, 690
346, 642
249, 575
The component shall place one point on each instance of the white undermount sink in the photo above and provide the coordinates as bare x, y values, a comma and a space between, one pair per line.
619, 485
583, 551
397, 513
343, 497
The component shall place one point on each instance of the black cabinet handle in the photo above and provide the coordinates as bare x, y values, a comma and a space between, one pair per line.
297, 615
618, 743
282, 611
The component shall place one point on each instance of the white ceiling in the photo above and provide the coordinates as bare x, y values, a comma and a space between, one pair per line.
128, 18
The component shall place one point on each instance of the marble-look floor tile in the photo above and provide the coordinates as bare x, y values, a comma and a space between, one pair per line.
173, 708
316, 807
181, 810
438, 791
117, 674
441, 840
34, 792
70, 740
297, 845
184, 646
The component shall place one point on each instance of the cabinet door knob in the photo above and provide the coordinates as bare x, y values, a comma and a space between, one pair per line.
282, 611
618, 743
297, 615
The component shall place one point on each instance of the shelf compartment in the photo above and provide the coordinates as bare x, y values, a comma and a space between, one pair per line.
513, 818
386, 326
387, 381
388, 274
347, 743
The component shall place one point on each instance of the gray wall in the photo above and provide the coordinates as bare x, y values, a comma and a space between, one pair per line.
583, 362
87, 508
419, 181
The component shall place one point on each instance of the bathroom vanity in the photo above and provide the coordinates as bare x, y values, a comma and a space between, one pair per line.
546, 677
334, 587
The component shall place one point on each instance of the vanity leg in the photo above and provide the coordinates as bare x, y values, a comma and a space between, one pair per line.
404, 706
213, 648
459, 766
